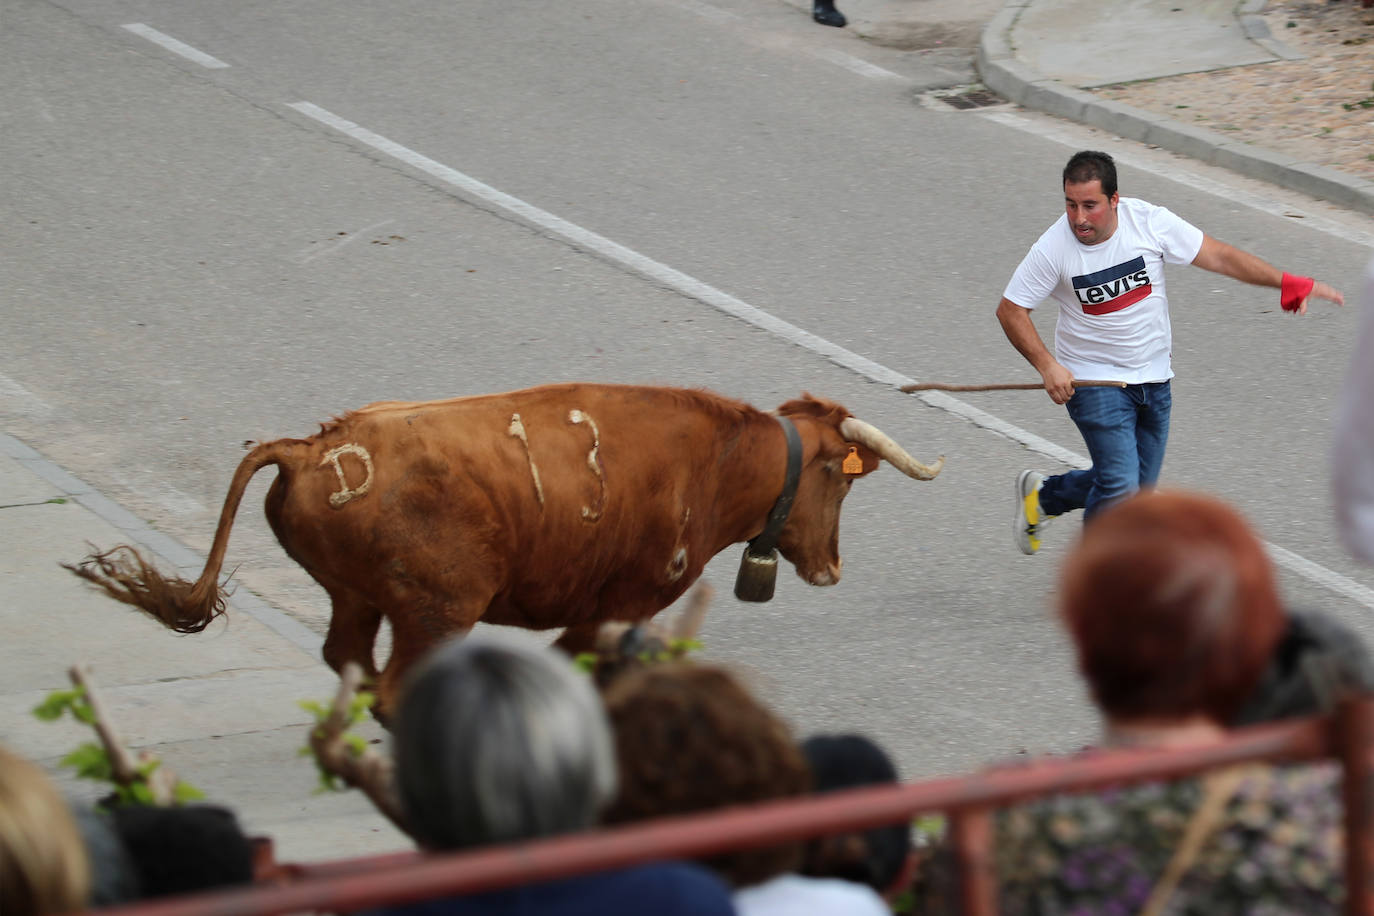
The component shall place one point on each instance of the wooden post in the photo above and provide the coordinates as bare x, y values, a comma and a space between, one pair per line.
970, 831
1355, 733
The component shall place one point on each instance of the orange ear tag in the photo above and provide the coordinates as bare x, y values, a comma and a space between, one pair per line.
852, 463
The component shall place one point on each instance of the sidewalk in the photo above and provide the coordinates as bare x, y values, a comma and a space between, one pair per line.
1046, 54
219, 707
1043, 53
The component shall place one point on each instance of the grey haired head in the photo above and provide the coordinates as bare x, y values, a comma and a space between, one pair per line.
497, 742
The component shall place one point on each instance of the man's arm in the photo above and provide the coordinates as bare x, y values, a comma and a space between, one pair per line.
1016, 322
1219, 257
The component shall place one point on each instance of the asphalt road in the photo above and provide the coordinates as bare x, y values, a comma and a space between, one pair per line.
348, 202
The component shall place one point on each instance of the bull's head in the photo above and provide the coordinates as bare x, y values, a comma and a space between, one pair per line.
837, 448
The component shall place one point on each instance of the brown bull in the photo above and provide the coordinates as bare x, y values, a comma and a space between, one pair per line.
560, 506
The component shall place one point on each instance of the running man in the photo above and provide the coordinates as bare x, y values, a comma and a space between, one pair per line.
1103, 263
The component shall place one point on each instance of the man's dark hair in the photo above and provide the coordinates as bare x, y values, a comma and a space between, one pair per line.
1090, 165
184, 849
874, 857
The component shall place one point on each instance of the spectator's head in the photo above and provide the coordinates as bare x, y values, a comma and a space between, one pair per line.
497, 742
43, 864
1319, 662
1172, 605
114, 878
875, 857
692, 738
179, 850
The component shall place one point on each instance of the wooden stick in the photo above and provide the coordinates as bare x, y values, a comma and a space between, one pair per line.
371, 772
124, 766
121, 761
689, 621
1012, 386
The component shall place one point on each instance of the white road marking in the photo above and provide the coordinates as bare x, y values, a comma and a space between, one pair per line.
856, 65
706, 11
1319, 574
15, 398
176, 47
736, 308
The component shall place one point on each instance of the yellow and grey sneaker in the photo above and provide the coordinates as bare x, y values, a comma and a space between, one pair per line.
1030, 519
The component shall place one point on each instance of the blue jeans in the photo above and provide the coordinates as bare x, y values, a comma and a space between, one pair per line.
1125, 430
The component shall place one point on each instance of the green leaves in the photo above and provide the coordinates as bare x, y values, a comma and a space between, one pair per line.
357, 745
675, 649
184, 792
929, 828
92, 761
357, 708
60, 701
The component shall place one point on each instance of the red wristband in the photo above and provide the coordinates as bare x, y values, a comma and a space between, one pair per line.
1293, 291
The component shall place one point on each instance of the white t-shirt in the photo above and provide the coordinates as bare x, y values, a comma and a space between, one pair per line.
1113, 313
798, 895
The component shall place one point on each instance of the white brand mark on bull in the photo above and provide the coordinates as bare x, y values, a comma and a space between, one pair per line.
517, 429
337, 500
678, 565
594, 462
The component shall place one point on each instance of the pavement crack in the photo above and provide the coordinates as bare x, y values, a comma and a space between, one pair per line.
218, 673
55, 501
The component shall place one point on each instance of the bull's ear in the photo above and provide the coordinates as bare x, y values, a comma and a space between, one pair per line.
859, 460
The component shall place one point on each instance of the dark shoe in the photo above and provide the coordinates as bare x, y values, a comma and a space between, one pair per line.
826, 14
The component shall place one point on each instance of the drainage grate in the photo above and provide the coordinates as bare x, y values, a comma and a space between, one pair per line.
975, 98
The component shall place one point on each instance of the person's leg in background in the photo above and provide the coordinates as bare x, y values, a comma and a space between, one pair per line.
824, 12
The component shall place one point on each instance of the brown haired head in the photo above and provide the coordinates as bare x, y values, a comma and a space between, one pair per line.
692, 738
1172, 605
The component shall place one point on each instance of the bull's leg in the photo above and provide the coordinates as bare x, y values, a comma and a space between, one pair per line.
352, 632
412, 637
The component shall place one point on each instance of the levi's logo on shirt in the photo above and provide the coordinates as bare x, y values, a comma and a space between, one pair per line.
1114, 288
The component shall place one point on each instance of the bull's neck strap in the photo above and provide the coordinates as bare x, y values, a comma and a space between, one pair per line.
763, 544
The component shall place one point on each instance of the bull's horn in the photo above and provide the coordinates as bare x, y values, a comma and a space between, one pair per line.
856, 430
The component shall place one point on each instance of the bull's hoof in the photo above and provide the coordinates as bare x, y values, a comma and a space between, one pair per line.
826, 14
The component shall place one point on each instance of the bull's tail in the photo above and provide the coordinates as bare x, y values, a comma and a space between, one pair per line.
187, 607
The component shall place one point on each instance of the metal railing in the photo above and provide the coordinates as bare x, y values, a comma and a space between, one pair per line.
969, 803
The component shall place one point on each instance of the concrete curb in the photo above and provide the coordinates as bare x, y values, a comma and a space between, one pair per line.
171, 552
1003, 73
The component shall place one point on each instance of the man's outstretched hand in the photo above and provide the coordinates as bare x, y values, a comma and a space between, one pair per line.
1295, 292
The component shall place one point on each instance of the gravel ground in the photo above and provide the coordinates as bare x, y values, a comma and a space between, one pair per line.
1319, 109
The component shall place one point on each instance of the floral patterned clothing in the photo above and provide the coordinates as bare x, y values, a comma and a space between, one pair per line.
1278, 849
